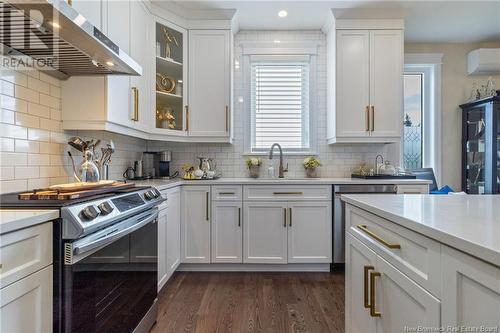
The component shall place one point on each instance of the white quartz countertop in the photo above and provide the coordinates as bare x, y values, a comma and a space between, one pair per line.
165, 184
469, 223
15, 219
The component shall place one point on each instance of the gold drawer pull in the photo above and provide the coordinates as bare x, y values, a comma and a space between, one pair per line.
367, 118
227, 118
187, 117
284, 217
379, 239
227, 193
365, 285
372, 118
288, 193
373, 311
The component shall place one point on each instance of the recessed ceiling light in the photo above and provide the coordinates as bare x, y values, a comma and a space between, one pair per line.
110, 63
282, 13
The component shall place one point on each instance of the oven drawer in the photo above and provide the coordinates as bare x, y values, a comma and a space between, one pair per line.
24, 251
287, 192
417, 256
227, 193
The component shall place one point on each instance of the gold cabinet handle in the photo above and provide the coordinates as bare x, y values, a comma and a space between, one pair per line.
187, 117
206, 201
365, 286
227, 118
284, 217
290, 218
373, 311
367, 118
379, 239
372, 118
136, 104
227, 193
288, 193
239, 217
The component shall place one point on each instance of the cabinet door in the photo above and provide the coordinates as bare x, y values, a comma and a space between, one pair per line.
227, 236
401, 302
352, 83
209, 83
141, 52
26, 305
162, 246
471, 291
386, 82
195, 227
91, 10
309, 232
173, 231
265, 232
357, 313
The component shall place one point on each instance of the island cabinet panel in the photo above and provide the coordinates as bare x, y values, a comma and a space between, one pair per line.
195, 227
360, 260
265, 232
471, 291
309, 232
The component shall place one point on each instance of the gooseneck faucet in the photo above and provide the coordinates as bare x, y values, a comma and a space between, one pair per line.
282, 170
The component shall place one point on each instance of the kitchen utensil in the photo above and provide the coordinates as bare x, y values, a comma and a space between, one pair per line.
77, 143
387, 169
138, 171
88, 171
74, 166
72, 187
204, 163
198, 173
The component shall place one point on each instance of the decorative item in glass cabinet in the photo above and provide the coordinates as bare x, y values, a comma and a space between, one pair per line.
311, 164
164, 83
169, 39
166, 117
158, 49
253, 164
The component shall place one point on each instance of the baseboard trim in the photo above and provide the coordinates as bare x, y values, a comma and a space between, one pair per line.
254, 268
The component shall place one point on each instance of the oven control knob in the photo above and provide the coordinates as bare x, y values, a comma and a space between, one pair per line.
105, 208
149, 195
89, 213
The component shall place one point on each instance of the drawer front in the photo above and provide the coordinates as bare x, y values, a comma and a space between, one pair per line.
24, 251
412, 189
287, 192
413, 254
227, 193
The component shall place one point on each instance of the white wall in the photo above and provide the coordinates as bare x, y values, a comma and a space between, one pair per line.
456, 87
338, 160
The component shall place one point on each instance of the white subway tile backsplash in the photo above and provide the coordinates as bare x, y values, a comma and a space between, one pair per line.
14, 104
38, 159
50, 101
25, 146
13, 159
38, 134
13, 131
39, 110
38, 85
7, 116
14, 76
6, 173
13, 185
27, 94
27, 172
6, 145
26, 120
6, 88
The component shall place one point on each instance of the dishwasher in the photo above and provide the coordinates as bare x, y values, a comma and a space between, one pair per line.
339, 216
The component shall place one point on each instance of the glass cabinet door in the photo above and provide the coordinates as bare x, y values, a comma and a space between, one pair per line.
475, 150
170, 78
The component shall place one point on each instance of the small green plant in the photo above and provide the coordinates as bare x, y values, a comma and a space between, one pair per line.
311, 162
253, 161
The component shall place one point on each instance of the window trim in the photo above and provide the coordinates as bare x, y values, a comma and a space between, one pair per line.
283, 50
430, 65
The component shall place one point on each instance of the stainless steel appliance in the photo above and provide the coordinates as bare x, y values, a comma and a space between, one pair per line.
163, 165
71, 44
339, 217
105, 260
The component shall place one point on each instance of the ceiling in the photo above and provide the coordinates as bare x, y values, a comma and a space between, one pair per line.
425, 21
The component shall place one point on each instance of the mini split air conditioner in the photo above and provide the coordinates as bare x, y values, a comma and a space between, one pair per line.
483, 62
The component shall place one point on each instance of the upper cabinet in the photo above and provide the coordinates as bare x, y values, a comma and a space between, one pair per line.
184, 92
365, 84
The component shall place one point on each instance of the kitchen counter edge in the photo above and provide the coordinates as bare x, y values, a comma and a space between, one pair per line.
16, 219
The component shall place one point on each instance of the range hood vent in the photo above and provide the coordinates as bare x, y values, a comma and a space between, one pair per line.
59, 40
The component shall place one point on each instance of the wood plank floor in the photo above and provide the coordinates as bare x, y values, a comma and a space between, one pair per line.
252, 302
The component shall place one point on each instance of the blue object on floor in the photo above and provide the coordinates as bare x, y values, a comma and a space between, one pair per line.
443, 190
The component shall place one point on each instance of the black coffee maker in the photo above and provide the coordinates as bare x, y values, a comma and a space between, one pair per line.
162, 164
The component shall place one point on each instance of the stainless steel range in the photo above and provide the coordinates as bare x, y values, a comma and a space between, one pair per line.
105, 260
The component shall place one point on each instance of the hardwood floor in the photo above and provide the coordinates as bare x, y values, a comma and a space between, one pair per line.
252, 302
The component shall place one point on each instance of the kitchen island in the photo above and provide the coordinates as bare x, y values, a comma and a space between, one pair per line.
422, 262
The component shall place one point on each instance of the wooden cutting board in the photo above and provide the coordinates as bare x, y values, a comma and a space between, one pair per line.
48, 194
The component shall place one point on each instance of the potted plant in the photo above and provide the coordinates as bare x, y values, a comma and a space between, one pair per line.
310, 164
253, 164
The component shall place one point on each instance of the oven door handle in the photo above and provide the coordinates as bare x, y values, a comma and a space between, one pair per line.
114, 235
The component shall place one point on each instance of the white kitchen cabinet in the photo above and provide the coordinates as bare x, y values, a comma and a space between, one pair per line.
91, 10
227, 234
173, 230
359, 261
400, 301
309, 232
162, 245
209, 83
471, 291
195, 226
26, 305
265, 232
367, 85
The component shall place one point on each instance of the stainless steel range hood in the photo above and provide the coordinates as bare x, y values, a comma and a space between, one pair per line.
60, 41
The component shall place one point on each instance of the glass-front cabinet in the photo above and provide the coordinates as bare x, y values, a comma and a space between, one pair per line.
171, 75
481, 146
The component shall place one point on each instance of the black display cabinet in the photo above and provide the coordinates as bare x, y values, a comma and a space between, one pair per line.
481, 146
